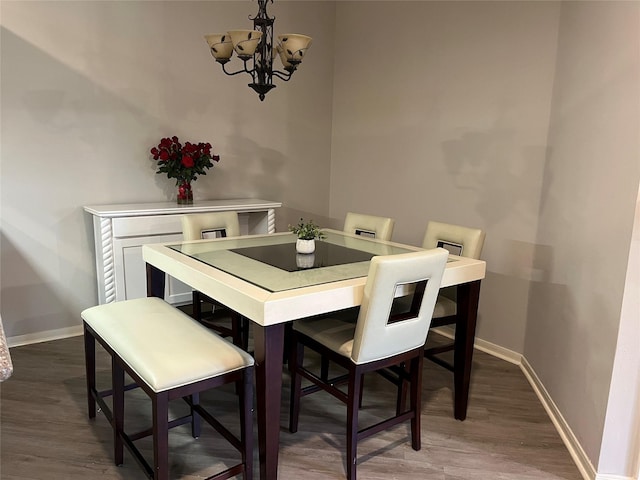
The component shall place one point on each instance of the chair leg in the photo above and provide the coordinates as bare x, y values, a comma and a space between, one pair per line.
160, 414
196, 307
324, 368
246, 422
244, 332
288, 336
416, 400
403, 388
239, 331
196, 421
236, 330
90, 366
355, 385
296, 359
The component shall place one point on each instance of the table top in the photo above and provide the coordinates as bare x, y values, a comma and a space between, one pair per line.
232, 271
272, 262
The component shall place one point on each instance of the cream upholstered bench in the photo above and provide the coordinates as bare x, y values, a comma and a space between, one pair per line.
169, 355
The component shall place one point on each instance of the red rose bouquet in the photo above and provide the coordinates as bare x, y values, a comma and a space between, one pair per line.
184, 163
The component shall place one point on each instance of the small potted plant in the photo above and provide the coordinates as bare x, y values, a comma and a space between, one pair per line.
307, 233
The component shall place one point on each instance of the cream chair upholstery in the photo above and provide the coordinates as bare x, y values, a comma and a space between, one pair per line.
375, 341
196, 226
369, 225
461, 241
217, 224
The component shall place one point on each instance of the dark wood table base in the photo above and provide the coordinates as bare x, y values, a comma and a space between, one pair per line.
467, 313
269, 348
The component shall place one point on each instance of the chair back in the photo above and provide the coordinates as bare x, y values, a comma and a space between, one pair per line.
461, 241
196, 226
369, 225
379, 334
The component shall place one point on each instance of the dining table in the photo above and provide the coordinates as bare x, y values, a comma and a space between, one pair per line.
264, 279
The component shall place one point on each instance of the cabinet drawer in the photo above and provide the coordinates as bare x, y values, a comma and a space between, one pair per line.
145, 226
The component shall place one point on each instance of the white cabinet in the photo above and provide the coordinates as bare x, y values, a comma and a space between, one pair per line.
121, 230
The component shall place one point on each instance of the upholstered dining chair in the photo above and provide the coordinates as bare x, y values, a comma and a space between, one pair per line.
366, 226
461, 241
369, 225
198, 226
375, 341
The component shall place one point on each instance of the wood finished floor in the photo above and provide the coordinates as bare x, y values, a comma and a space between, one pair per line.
45, 433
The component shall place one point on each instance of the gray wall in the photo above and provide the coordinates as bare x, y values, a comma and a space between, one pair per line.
588, 203
89, 87
520, 118
452, 128
517, 117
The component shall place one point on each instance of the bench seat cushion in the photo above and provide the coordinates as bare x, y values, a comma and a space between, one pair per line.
162, 344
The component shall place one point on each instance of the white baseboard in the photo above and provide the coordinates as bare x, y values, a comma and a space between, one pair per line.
46, 336
566, 434
486, 347
602, 476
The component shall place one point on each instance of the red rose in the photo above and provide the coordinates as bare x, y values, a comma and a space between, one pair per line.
178, 161
189, 148
187, 161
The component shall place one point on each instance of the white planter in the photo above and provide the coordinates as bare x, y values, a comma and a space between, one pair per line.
305, 246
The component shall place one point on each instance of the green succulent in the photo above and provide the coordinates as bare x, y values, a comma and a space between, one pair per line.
307, 231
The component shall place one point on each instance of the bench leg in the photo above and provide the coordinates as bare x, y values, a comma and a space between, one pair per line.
90, 366
117, 381
160, 414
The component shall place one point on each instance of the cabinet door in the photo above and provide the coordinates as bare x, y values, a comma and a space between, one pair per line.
132, 283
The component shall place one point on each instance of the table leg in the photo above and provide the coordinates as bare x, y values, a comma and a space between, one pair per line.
155, 282
467, 312
268, 353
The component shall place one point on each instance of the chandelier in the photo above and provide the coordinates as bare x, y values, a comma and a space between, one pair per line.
256, 50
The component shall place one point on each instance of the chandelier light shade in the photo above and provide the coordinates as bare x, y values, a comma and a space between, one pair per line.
257, 51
